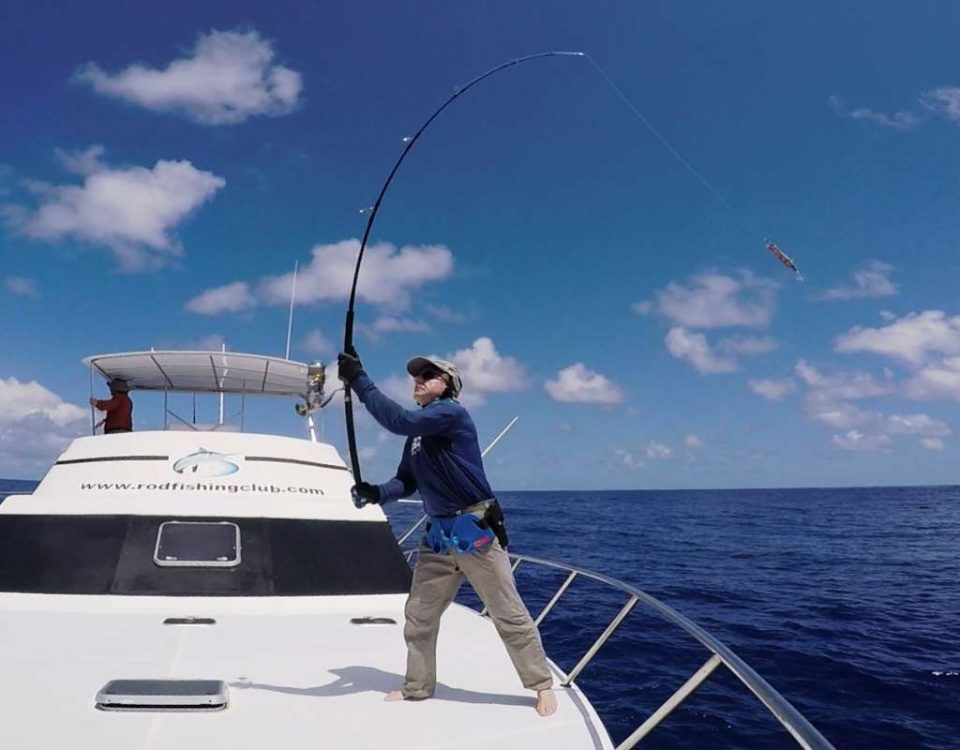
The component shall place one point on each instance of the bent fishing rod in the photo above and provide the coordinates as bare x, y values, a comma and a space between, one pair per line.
410, 141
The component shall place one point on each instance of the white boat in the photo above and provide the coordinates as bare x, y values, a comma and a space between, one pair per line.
192, 588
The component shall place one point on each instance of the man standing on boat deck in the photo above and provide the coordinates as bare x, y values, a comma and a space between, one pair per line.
441, 459
119, 408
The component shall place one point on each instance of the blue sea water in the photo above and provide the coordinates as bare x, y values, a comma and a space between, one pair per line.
845, 600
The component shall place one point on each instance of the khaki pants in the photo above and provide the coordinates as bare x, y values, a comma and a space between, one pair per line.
436, 580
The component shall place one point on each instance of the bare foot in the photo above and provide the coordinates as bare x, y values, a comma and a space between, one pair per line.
394, 695
546, 702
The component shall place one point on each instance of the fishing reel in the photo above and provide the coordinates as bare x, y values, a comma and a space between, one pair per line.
314, 399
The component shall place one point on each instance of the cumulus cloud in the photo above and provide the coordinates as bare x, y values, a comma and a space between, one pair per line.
695, 348
911, 339
932, 444
916, 424
21, 287
716, 301
937, 380
317, 344
385, 324
485, 370
858, 441
578, 384
656, 451
871, 281
388, 277
747, 345
692, 442
902, 120
845, 385
228, 77
228, 298
132, 210
773, 390
35, 423
628, 458
944, 101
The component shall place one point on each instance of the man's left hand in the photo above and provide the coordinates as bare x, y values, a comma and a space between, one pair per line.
365, 494
349, 367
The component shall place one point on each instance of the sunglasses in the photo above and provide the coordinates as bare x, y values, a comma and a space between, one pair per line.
426, 375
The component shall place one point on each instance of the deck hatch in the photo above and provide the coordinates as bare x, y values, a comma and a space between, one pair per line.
163, 695
198, 544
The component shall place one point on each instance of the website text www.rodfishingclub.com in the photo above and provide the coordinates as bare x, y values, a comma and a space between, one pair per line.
200, 487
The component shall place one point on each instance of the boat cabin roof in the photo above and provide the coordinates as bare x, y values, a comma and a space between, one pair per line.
203, 372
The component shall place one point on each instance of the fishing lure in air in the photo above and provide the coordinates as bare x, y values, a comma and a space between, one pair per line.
783, 258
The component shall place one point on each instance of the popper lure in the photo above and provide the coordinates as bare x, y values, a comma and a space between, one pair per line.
783, 258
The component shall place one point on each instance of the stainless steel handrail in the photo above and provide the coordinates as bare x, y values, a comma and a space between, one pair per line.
805, 734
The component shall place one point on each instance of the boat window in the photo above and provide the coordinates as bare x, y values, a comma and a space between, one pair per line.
198, 544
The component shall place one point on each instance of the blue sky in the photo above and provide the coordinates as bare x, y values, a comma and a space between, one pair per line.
161, 173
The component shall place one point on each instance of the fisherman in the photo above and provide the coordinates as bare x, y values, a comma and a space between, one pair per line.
119, 408
465, 535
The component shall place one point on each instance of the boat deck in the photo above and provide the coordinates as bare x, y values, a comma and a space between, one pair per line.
296, 669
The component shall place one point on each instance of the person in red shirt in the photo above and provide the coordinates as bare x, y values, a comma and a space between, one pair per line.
119, 409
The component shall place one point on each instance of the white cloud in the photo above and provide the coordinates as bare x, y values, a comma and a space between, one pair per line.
773, 390
485, 370
916, 424
399, 389
911, 339
21, 287
858, 441
902, 120
35, 423
692, 441
716, 301
577, 384
937, 380
838, 414
846, 385
944, 101
317, 344
658, 451
392, 324
747, 345
871, 281
228, 298
628, 458
131, 210
208, 343
695, 348
368, 452
228, 77
388, 275
932, 444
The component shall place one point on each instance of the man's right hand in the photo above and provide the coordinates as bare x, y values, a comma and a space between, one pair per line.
365, 494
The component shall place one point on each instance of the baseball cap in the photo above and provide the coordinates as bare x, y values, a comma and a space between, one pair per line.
418, 364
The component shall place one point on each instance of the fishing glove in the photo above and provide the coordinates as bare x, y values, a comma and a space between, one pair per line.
365, 494
348, 367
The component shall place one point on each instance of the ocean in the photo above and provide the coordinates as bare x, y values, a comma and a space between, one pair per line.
845, 600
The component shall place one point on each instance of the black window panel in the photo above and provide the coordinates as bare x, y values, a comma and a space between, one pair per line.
197, 542
114, 555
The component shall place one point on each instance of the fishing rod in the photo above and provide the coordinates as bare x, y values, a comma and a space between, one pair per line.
410, 141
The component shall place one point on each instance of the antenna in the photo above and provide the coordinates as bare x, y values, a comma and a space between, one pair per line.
293, 295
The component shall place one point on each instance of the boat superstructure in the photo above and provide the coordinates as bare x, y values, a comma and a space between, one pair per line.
190, 588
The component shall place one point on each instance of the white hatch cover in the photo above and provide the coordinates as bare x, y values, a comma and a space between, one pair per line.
204, 372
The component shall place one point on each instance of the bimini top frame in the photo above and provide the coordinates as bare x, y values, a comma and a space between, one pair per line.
218, 372
204, 372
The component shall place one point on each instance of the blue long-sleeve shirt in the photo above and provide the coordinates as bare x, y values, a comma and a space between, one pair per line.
441, 457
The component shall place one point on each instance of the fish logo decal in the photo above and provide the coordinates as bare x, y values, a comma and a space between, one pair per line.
206, 463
